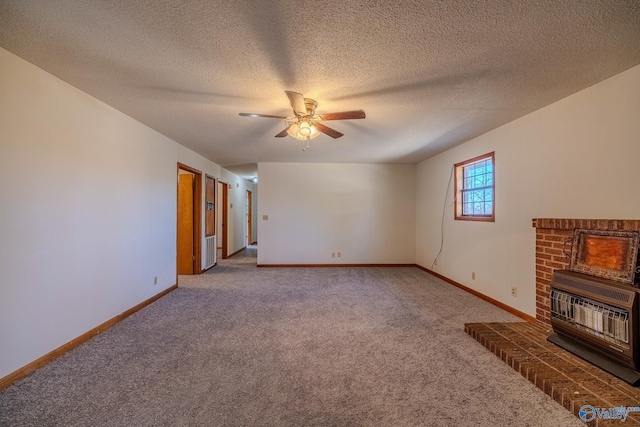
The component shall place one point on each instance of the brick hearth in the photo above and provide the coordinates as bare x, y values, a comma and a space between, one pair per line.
569, 380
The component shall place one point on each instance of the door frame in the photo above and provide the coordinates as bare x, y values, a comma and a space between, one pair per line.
225, 219
249, 214
214, 218
197, 218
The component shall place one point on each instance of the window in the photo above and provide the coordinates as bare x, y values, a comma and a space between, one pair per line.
474, 189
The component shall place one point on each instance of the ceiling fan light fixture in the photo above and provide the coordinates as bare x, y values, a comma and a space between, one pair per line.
303, 130
305, 125
293, 130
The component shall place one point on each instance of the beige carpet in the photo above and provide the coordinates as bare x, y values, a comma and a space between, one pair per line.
247, 346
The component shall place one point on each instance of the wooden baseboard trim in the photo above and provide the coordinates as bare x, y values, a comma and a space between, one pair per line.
482, 296
331, 265
40, 362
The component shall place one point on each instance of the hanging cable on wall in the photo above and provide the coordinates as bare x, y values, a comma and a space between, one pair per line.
444, 209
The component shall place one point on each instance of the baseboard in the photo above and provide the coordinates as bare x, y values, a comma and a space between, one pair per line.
482, 296
332, 265
40, 362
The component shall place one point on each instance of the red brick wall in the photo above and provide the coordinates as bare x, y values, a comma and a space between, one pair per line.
550, 256
552, 253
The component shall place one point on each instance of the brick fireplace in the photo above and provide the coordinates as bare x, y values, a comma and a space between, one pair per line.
569, 377
553, 249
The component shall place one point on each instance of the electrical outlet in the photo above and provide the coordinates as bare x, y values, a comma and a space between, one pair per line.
265, 217
514, 291
339, 254
473, 275
333, 254
155, 280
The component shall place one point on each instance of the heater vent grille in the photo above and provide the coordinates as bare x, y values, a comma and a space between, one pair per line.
600, 320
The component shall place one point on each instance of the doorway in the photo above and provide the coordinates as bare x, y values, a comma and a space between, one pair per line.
188, 218
223, 218
249, 214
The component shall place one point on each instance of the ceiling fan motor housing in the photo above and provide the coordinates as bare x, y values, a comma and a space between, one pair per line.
311, 105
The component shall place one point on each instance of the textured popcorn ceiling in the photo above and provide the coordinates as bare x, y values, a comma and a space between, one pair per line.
429, 74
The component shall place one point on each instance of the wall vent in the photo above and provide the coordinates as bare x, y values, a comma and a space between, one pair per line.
211, 252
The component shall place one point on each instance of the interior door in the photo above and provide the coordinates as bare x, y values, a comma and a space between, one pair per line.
185, 223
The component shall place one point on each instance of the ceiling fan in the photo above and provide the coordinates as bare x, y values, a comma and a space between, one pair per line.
304, 124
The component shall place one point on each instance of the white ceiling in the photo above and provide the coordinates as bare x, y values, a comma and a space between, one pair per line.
429, 74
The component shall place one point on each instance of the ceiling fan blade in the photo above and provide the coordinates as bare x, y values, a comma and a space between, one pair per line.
262, 115
345, 115
297, 103
327, 130
283, 133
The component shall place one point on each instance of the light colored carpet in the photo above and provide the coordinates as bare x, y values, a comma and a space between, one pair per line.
247, 346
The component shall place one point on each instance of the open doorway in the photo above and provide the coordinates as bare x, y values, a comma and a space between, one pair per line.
188, 234
223, 219
249, 216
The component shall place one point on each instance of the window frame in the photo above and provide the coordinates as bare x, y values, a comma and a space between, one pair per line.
459, 187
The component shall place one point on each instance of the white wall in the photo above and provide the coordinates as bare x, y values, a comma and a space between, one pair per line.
364, 211
577, 158
87, 212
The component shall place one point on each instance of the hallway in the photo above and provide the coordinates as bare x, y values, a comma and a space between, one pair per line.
248, 257
244, 262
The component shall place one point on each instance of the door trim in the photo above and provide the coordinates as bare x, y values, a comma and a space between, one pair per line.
197, 218
249, 218
210, 218
225, 220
